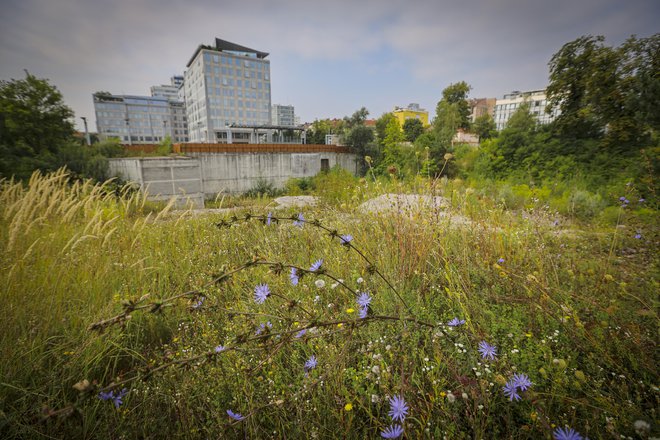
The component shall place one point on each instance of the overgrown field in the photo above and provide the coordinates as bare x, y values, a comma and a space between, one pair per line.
125, 320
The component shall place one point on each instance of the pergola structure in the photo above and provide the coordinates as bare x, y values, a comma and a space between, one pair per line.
260, 134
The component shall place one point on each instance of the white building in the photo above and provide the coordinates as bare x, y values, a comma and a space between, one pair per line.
505, 107
168, 90
140, 119
283, 115
226, 84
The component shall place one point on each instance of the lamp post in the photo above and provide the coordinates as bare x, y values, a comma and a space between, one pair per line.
89, 141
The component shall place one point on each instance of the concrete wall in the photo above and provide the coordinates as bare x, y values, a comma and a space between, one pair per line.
239, 172
163, 177
197, 176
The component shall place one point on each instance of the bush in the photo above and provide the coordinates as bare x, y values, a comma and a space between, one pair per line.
263, 188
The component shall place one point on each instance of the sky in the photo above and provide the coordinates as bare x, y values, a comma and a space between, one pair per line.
328, 58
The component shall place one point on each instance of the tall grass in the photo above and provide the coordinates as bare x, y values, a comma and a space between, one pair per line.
575, 311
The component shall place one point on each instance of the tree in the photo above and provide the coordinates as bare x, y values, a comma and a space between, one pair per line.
484, 127
605, 92
34, 124
457, 94
381, 126
319, 129
412, 129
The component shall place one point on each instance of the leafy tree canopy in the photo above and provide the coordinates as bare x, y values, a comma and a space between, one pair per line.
412, 129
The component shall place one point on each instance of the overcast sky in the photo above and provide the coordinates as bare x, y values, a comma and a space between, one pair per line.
328, 58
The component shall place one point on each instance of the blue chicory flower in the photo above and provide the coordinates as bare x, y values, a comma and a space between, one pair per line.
293, 276
456, 322
300, 221
316, 266
398, 408
310, 363
511, 391
487, 351
393, 431
345, 239
235, 416
364, 299
566, 434
261, 292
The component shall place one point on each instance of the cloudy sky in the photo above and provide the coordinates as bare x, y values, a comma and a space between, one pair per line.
328, 58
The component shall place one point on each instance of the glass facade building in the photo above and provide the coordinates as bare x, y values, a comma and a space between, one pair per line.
226, 84
140, 119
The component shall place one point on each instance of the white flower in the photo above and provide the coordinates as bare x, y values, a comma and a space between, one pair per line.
375, 369
375, 398
360, 280
451, 398
464, 396
642, 427
320, 284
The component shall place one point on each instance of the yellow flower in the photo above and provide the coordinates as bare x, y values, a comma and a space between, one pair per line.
442, 394
529, 335
340, 325
350, 310
533, 415
348, 407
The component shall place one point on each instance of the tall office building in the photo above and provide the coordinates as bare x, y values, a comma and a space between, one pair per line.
537, 101
226, 84
283, 115
140, 119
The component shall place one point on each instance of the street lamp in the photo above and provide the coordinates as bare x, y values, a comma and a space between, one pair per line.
89, 142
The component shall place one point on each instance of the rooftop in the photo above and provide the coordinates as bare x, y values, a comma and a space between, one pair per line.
228, 47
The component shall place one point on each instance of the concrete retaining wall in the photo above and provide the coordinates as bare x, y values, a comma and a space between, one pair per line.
197, 176
163, 177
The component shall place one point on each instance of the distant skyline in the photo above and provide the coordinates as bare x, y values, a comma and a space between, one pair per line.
328, 59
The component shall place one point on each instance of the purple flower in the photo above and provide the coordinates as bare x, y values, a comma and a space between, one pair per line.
219, 349
235, 416
293, 276
199, 303
269, 218
301, 333
621, 199
116, 399
566, 434
364, 311
300, 221
262, 327
261, 292
398, 408
501, 260
456, 322
364, 299
487, 351
345, 239
638, 236
316, 266
521, 381
511, 391
393, 431
642, 200
310, 363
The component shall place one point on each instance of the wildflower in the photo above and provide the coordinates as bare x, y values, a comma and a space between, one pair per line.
511, 391
638, 236
451, 398
219, 349
350, 310
262, 327
300, 221
261, 292
348, 407
316, 266
199, 303
345, 239
393, 431
301, 333
642, 427
456, 322
293, 276
487, 351
269, 218
364, 299
116, 399
521, 381
398, 409
566, 434
360, 280
235, 416
501, 260
364, 311
319, 284
311, 363
642, 200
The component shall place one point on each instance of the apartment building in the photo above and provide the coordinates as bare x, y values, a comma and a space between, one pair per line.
283, 115
413, 111
505, 107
